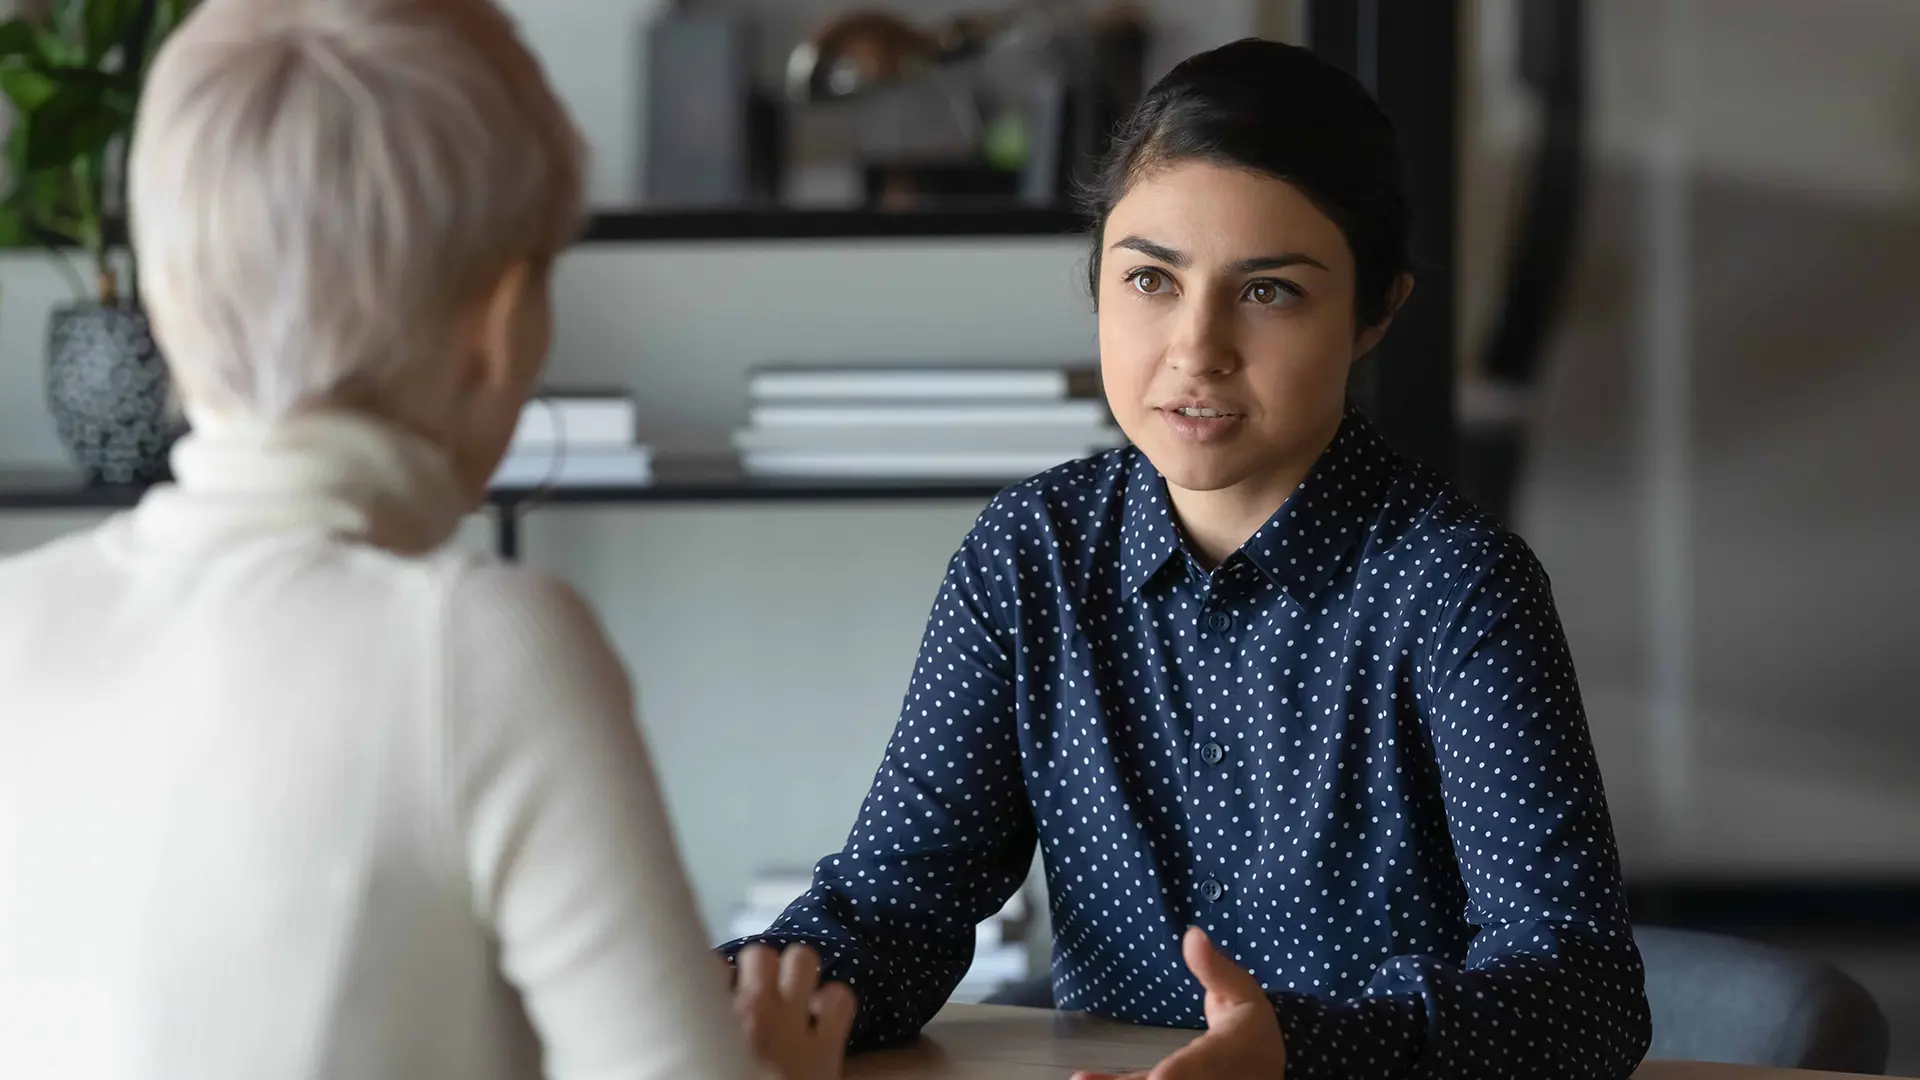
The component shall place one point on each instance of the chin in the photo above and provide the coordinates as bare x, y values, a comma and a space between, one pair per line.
1191, 469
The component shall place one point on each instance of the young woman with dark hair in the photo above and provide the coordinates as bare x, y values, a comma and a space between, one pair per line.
1282, 711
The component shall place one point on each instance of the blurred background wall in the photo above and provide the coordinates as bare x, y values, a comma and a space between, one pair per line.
1798, 127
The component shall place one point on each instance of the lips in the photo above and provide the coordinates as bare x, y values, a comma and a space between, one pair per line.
1199, 420
1199, 407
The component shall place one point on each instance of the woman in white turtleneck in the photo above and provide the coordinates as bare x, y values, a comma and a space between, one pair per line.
285, 789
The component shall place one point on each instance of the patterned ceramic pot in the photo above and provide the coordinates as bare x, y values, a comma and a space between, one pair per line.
107, 388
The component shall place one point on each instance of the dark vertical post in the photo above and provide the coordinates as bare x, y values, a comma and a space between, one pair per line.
1407, 53
506, 537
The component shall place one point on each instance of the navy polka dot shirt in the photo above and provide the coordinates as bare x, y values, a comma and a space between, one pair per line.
1354, 753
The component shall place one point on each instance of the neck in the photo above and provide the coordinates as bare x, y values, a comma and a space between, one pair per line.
339, 472
1216, 523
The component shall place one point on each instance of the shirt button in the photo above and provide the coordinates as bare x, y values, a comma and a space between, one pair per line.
1213, 890
1219, 622
1213, 753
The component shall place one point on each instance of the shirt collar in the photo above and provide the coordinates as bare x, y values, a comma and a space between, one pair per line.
1301, 545
1148, 538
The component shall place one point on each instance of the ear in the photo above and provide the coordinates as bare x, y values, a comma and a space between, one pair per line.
1370, 336
495, 328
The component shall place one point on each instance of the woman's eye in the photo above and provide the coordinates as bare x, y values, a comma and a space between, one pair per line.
1268, 293
1148, 282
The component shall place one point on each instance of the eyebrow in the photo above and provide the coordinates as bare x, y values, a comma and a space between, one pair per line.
1278, 262
1179, 260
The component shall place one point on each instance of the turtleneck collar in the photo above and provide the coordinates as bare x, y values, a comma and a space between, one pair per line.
339, 473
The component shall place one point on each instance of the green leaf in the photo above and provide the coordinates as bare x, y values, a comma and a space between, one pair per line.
75, 122
119, 86
68, 18
27, 87
17, 174
59, 50
106, 26
45, 203
18, 39
15, 231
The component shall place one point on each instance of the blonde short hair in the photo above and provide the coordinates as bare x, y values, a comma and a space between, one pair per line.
321, 188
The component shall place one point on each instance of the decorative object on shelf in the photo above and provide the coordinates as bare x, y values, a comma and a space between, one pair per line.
108, 390
713, 138
1001, 951
1037, 89
73, 75
915, 422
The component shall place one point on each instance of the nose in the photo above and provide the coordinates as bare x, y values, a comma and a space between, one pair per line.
1203, 343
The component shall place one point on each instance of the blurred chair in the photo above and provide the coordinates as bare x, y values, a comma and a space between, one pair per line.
1720, 999
1717, 998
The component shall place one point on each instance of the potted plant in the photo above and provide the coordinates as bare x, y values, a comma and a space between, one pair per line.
72, 71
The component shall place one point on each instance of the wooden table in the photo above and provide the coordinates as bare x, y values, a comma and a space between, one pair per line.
982, 1042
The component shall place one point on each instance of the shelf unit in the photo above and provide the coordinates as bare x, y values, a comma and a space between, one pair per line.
679, 481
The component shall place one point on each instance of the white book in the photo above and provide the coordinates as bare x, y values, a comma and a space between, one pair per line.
578, 420
943, 438
750, 922
910, 383
1079, 413
575, 466
777, 889
993, 933
959, 465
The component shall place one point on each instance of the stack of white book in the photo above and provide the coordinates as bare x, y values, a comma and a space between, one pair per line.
576, 438
767, 895
989, 423
1000, 952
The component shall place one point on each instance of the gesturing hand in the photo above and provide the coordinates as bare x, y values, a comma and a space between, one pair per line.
1243, 1039
795, 1026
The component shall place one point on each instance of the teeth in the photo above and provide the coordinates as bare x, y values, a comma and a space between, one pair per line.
1202, 414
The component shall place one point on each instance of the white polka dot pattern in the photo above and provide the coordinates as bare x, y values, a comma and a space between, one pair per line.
1354, 753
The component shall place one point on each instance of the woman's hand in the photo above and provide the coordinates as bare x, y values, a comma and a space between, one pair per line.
1243, 1039
795, 1026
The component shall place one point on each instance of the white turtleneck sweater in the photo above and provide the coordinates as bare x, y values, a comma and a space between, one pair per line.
284, 794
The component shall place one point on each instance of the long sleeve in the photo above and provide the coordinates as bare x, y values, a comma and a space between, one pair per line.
1552, 985
566, 843
945, 835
